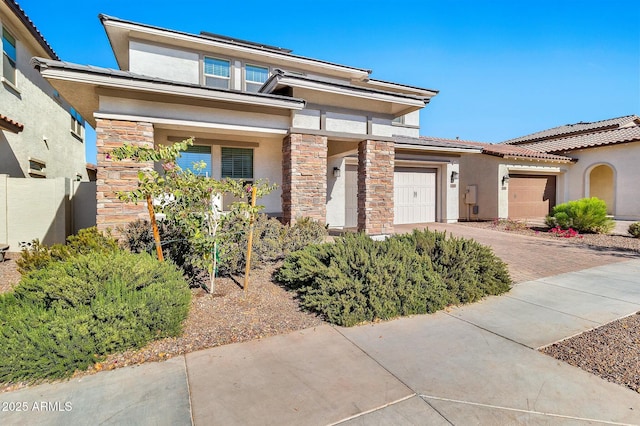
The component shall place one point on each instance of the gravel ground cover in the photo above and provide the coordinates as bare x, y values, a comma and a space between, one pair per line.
611, 351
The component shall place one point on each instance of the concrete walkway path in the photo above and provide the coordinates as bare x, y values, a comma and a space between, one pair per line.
475, 364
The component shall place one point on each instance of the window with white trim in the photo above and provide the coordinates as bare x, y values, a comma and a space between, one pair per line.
77, 123
193, 155
9, 56
217, 73
255, 77
237, 163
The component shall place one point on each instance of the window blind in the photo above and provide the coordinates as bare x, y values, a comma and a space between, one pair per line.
196, 154
237, 163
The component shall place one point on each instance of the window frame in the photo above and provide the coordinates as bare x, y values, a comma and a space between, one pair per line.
244, 178
13, 62
256, 83
205, 75
77, 124
208, 171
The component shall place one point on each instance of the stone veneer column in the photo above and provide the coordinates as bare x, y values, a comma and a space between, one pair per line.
304, 177
375, 187
114, 176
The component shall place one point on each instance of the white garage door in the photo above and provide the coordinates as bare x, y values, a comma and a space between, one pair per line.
414, 195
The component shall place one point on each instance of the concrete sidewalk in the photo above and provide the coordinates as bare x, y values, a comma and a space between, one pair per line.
474, 364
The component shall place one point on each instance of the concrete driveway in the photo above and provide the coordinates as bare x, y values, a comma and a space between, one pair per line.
475, 364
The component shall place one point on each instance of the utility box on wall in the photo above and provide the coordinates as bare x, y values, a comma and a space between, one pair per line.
471, 194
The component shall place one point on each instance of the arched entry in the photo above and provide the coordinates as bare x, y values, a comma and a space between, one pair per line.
601, 181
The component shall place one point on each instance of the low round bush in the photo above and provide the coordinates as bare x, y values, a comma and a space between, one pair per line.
584, 215
356, 279
634, 229
70, 314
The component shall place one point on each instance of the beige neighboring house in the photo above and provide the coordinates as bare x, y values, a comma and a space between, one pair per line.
344, 148
41, 139
523, 178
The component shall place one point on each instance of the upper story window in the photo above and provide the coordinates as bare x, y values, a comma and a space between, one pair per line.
399, 120
77, 123
9, 57
196, 154
255, 77
217, 73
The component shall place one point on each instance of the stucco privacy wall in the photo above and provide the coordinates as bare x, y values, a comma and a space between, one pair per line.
45, 209
114, 176
304, 187
375, 187
625, 167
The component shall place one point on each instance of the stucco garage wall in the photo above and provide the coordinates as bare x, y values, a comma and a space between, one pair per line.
482, 171
623, 158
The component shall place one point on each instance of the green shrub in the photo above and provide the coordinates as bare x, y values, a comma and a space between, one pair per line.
68, 315
357, 279
584, 215
138, 238
87, 240
634, 229
272, 240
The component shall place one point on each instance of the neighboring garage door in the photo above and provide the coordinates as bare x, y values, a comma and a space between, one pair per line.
531, 196
414, 195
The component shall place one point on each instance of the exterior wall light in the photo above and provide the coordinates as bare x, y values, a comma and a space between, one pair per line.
505, 180
454, 176
336, 172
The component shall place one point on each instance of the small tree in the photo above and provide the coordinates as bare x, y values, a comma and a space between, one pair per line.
189, 199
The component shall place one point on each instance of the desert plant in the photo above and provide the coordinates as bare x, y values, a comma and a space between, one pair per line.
356, 279
584, 215
70, 314
87, 240
137, 237
634, 229
272, 240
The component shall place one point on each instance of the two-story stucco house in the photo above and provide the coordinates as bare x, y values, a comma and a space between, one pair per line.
41, 135
344, 148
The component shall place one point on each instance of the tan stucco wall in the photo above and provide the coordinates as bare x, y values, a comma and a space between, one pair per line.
623, 159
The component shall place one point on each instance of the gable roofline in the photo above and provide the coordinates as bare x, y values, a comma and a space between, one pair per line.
575, 129
280, 75
31, 27
79, 82
229, 42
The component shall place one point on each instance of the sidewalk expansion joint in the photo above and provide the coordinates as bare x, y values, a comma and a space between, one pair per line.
550, 309
520, 410
542, 281
488, 331
355, 416
186, 378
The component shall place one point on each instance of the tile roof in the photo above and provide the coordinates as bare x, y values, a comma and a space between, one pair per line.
437, 142
505, 151
576, 128
35, 32
11, 125
606, 137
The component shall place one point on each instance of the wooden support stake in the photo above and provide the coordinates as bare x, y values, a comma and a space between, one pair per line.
251, 224
154, 225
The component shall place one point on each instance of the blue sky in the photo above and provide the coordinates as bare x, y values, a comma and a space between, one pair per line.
503, 68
